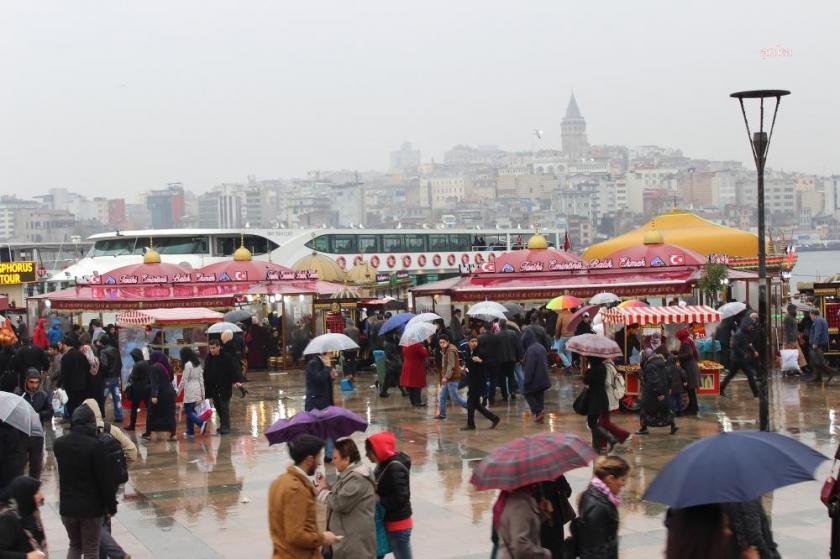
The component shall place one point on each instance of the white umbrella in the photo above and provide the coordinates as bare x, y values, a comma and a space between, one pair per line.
487, 310
19, 414
417, 333
425, 317
731, 309
329, 342
220, 327
604, 298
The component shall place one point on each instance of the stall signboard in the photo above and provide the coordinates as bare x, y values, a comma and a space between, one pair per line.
14, 273
524, 294
826, 289
275, 275
140, 279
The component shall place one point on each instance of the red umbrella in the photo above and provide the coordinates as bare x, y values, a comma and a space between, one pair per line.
528, 460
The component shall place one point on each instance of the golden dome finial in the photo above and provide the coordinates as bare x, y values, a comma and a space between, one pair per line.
653, 237
151, 256
242, 254
537, 241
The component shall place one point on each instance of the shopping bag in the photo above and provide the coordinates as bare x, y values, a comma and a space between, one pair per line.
203, 410
790, 359
59, 399
581, 403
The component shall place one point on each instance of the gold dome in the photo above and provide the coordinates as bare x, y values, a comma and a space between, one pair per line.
151, 257
324, 266
537, 242
242, 254
362, 274
653, 237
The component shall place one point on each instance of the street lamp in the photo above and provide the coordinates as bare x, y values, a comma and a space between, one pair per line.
760, 145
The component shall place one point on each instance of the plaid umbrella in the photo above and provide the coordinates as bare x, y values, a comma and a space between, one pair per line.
521, 462
593, 345
563, 302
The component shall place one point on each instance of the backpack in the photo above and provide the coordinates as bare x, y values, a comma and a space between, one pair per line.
615, 381
115, 456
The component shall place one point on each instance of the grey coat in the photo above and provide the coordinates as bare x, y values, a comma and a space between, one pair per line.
350, 505
519, 528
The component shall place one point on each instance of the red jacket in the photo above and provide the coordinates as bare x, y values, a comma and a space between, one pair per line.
414, 366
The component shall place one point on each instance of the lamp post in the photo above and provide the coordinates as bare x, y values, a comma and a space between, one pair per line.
760, 145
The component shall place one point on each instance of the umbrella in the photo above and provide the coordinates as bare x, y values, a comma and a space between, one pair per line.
604, 299
593, 345
396, 321
731, 309
424, 317
733, 467
220, 327
417, 332
326, 343
240, 315
513, 309
563, 302
632, 304
527, 460
487, 310
18, 413
332, 422
578, 316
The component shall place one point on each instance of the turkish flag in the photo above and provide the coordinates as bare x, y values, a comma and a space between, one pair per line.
677, 260
567, 242
240, 275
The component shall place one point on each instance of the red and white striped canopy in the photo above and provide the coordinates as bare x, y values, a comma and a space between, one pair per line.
168, 317
662, 315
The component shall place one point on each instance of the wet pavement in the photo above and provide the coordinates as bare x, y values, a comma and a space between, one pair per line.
207, 497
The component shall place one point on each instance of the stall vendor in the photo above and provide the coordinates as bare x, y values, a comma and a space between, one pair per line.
628, 339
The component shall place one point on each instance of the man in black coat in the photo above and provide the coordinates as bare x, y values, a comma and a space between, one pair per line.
110, 367
42, 405
221, 374
87, 491
510, 353
743, 357
30, 356
477, 379
75, 370
491, 345
13, 453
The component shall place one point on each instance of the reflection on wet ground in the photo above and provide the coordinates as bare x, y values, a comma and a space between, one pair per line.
207, 497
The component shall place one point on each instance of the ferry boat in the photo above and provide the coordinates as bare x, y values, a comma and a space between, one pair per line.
425, 254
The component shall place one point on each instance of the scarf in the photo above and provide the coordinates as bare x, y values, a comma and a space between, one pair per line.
602, 487
685, 337
499, 508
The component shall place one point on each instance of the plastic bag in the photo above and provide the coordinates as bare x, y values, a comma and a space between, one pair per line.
790, 360
203, 410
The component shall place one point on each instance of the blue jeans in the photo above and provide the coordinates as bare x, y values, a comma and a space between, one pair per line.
328, 449
112, 386
192, 418
400, 544
520, 376
450, 391
565, 357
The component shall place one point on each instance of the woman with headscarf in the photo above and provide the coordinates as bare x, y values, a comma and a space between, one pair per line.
162, 399
159, 358
688, 357
21, 531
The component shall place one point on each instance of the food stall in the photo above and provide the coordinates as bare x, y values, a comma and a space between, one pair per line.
827, 300
651, 320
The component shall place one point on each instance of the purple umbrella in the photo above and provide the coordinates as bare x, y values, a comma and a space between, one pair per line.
332, 422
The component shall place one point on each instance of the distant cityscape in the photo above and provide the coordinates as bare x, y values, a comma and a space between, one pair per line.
592, 191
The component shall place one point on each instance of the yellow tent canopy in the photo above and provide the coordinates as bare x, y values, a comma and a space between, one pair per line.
685, 229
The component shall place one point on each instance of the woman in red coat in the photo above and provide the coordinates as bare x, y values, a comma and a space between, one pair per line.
413, 375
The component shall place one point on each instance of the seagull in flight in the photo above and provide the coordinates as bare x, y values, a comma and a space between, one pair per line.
538, 133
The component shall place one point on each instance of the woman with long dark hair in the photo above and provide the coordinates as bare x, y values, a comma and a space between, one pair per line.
595, 377
192, 385
700, 532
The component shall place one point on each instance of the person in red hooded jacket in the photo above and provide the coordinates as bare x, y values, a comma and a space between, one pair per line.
393, 490
413, 376
39, 335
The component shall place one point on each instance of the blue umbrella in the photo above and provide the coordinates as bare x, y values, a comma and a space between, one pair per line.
396, 321
732, 468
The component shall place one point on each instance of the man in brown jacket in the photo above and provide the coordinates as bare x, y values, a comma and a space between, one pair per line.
291, 505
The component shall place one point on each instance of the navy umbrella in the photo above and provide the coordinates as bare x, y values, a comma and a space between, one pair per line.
396, 321
732, 468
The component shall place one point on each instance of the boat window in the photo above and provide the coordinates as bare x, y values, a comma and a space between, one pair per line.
437, 243
393, 243
368, 244
227, 244
181, 245
343, 244
321, 243
113, 247
415, 243
459, 243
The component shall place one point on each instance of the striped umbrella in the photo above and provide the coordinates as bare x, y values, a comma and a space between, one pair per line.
632, 304
563, 302
528, 460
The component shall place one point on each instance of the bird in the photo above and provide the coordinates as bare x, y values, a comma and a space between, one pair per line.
399, 225
538, 133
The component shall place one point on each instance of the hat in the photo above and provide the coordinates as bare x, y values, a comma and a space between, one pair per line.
104, 339
32, 372
83, 415
71, 340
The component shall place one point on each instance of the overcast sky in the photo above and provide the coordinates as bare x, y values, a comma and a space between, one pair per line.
114, 97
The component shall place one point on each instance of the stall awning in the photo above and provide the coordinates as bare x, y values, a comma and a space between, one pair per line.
122, 298
169, 317
662, 315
